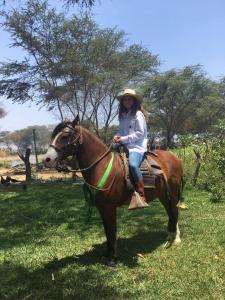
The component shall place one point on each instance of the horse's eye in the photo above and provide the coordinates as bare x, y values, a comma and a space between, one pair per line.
63, 140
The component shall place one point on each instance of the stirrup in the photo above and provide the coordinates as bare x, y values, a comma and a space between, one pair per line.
137, 202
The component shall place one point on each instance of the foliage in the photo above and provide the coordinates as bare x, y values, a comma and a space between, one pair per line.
70, 65
107, 136
4, 152
217, 160
47, 252
206, 154
6, 158
183, 101
3, 134
86, 3
4, 164
24, 139
82, 3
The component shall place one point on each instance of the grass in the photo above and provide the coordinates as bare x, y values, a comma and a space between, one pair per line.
47, 251
6, 159
5, 164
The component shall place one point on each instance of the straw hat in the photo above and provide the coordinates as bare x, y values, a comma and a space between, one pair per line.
132, 93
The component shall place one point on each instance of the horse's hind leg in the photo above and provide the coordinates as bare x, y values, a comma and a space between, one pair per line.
173, 227
181, 203
170, 201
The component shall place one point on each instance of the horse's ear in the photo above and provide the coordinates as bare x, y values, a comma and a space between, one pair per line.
76, 121
66, 121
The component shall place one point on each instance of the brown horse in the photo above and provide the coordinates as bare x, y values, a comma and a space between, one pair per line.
93, 157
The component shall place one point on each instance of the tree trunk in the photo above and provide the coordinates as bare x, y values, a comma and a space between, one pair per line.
198, 166
168, 139
26, 160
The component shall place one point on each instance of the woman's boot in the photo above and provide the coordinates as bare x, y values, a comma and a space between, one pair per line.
138, 199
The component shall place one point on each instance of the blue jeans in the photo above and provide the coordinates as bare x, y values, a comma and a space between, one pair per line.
135, 160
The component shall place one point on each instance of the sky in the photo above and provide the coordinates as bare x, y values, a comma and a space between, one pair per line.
180, 32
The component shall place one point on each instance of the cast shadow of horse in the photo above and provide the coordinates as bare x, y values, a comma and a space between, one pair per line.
143, 243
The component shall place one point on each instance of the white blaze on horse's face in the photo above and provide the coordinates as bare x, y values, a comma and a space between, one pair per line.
50, 158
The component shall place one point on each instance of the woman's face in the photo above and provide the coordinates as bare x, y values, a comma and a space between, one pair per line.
128, 102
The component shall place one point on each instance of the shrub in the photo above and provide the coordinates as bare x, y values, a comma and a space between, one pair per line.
5, 164
204, 164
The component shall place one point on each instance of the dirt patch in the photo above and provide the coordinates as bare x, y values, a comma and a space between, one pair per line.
9, 158
44, 175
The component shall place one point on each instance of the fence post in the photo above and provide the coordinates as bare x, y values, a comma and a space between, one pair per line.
35, 149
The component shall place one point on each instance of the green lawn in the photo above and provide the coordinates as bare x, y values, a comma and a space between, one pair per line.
47, 251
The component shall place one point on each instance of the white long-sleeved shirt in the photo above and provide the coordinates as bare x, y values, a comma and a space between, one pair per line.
133, 131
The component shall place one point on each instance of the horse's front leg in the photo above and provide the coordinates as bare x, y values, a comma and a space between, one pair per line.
108, 215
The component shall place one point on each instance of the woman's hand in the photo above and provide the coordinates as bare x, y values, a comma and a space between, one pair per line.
117, 139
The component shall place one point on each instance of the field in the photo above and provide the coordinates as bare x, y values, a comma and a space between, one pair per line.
48, 252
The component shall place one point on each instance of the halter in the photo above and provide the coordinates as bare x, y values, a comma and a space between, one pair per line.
79, 138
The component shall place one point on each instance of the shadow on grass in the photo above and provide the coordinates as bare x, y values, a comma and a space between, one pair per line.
143, 243
31, 217
18, 283
76, 277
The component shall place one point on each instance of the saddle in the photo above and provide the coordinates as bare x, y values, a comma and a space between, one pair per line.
150, 170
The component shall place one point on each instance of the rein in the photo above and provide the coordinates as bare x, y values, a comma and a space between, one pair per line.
97, 161
79, 139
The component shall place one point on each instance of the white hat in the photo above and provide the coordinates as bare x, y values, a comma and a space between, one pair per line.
132, 93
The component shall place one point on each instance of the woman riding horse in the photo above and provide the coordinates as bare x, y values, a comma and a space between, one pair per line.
96, 161
133, 134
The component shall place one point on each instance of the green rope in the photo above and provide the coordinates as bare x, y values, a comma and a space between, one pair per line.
90, 193
90, 201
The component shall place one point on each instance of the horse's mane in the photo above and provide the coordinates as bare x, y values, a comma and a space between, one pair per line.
62, 125
57, 129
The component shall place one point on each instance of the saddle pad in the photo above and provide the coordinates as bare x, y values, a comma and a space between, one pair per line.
149, 181
150, 169
150, 166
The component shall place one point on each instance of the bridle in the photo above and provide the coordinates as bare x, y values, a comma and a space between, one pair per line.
74, 142
78, 140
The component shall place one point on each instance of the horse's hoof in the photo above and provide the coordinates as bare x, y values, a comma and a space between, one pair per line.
182, 206
167, 245
170, 237
177, 241
170, 243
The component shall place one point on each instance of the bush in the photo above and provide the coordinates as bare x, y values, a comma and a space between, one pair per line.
204, 164
5, 164
4, 153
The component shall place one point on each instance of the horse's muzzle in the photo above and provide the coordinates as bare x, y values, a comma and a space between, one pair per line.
48, 162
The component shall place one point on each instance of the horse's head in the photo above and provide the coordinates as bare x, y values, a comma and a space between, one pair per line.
64, 142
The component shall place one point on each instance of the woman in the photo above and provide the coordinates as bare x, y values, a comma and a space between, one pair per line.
133, 134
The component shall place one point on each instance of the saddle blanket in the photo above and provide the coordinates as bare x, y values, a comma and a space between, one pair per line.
150, 170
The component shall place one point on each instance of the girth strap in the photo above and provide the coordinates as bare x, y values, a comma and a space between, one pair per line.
106, 173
